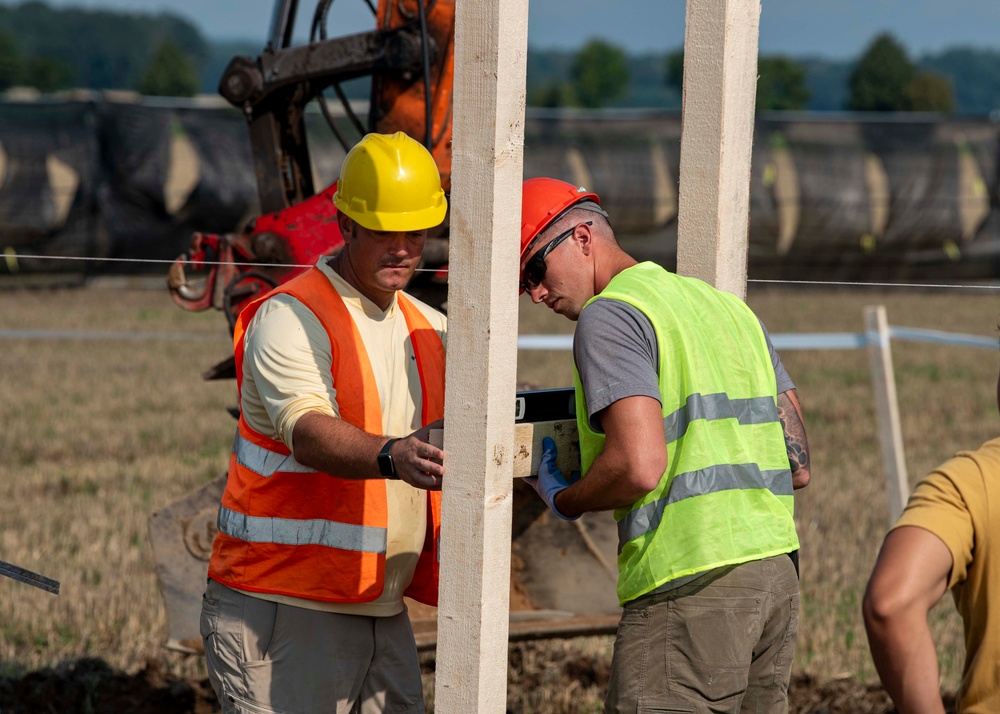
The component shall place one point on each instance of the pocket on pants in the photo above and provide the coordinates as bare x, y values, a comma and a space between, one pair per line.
709, 646
208, 628
783, 662
266, 693
628, 665
237, 630
208, 623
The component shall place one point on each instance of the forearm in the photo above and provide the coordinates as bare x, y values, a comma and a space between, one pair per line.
906, 661
910, 576
630, 465
606, 486
333, 446
796, 441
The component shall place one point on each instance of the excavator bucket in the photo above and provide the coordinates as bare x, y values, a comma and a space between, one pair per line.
181, 536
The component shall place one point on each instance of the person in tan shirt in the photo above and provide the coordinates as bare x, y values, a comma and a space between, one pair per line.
281, 643
946, 539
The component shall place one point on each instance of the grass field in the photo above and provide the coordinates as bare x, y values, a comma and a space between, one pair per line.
99, 433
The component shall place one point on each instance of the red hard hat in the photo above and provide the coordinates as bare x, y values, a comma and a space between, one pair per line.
543, 200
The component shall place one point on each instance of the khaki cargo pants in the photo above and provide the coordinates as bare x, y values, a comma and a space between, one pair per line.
270, 658
723, 643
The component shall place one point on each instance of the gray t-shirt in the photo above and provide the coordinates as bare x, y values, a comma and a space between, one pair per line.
617, 356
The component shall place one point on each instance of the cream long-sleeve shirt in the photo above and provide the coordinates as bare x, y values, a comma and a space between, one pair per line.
287, 372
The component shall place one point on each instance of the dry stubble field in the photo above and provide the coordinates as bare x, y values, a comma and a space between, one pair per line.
99, 433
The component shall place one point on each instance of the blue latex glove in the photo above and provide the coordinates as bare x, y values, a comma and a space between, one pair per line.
550, 479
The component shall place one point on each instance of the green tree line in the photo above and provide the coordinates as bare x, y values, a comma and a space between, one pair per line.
882, 78
57, 48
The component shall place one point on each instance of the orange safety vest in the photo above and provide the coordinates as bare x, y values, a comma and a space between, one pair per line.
287, 529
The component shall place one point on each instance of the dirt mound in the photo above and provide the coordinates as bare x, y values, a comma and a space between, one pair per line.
90, 686
843, 695
837, 696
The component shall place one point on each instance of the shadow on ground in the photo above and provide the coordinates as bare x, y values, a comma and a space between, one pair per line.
90, 686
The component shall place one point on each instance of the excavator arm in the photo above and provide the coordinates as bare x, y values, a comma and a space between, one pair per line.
408, 55
274, 89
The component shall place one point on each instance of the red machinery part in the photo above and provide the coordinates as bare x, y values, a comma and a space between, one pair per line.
237, 268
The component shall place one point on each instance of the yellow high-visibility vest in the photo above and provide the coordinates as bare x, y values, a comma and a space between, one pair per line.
726, 495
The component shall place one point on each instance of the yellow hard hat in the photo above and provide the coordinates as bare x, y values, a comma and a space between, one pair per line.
391, 183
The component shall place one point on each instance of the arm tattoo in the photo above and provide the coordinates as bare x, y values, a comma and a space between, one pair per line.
795, 435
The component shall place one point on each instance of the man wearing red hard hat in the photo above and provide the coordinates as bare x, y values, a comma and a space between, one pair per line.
691, 431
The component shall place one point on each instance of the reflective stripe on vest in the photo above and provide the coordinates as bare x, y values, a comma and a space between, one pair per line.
264, 461
646, 518
285, 531
753, 410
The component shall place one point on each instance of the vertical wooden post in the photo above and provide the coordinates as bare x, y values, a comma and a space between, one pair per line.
887, 410
491, 44
720, 84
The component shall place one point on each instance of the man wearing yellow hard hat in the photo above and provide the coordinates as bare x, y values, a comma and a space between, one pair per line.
332, 507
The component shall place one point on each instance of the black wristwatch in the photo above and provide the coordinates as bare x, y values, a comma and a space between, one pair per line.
385, 465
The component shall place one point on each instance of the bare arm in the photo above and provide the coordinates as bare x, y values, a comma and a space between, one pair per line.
631, 464
331, 445
796, 441
909, 578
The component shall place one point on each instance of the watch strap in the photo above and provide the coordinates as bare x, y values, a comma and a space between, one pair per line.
386, 467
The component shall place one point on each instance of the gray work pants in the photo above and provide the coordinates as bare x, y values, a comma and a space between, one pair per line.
270, 658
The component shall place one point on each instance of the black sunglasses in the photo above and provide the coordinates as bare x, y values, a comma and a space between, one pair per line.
534, 269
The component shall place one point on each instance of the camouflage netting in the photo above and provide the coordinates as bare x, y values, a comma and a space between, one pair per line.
832, 198
829, 197
632, 162
169, 172
105, 179
49, 180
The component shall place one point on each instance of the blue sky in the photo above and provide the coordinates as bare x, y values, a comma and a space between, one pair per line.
836, 29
